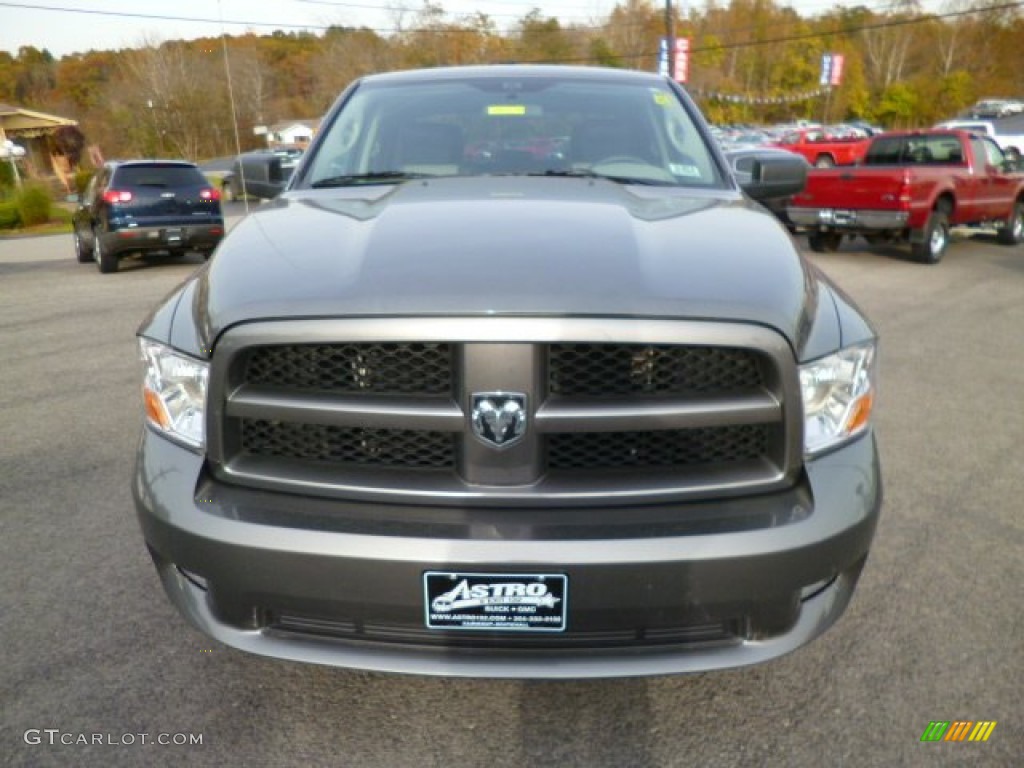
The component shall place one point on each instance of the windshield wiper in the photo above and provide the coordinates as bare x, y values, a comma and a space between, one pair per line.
378, 177
583, 173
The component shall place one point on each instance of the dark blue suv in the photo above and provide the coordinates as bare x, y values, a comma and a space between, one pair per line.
146, 206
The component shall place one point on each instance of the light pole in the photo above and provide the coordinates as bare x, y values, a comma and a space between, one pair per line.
670, 37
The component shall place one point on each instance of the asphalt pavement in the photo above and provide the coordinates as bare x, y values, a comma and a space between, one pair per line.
98, 668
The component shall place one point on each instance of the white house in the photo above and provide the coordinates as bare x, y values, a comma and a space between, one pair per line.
33, 131
298, 132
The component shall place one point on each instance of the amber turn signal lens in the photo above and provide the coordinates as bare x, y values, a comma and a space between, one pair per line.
155, 411
860, 414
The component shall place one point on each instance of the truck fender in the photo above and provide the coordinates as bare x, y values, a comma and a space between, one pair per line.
943, 199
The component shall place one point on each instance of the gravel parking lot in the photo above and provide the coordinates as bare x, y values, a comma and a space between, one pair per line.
98, 668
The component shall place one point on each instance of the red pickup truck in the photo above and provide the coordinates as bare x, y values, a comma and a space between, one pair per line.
823, 150
913, 186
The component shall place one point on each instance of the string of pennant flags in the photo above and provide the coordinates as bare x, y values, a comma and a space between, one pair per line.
738, 98
832, 66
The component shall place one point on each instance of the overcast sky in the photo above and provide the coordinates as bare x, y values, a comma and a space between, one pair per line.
68, 26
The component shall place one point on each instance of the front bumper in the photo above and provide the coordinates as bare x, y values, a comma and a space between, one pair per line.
670, 589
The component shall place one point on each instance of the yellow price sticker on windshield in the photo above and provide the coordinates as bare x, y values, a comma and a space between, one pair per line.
662, 98
506, 109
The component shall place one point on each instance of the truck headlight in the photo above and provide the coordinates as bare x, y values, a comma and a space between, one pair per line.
838, 395
174, 393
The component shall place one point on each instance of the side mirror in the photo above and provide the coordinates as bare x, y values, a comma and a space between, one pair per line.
263, 174
275, 172
775, 176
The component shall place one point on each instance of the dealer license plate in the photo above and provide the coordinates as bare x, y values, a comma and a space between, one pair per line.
513, 602
173, 236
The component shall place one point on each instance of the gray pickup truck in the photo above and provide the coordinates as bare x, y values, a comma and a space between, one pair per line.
513, 380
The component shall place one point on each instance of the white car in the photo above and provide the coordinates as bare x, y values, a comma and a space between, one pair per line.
997, 108
1006, 141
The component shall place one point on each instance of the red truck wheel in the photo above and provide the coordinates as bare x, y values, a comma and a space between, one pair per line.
824, 242
1013, 231
824, 161
936, 238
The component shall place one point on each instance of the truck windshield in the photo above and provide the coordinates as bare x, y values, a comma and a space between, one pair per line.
388, 132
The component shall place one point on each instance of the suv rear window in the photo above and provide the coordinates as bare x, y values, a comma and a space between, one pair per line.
158, 176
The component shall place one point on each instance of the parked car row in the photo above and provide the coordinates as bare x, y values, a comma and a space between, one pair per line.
745, 134
908, 187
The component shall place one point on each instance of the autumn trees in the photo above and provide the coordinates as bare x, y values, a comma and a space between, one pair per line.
752, 60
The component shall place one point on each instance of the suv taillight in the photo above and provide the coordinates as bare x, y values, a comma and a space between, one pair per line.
117, 196
209, 194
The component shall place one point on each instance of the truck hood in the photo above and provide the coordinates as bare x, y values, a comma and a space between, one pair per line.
508, 246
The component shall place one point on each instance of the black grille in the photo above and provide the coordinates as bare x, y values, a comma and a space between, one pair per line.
637, 369
357, 447
710, 631
685, 447
374, 368
390, 419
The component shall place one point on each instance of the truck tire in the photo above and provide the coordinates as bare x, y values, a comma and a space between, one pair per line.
105, 262
824, 161
936, 239
82, 253
1012, 231
824, 242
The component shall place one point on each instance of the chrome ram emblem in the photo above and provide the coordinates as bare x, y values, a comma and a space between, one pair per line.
499, 418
